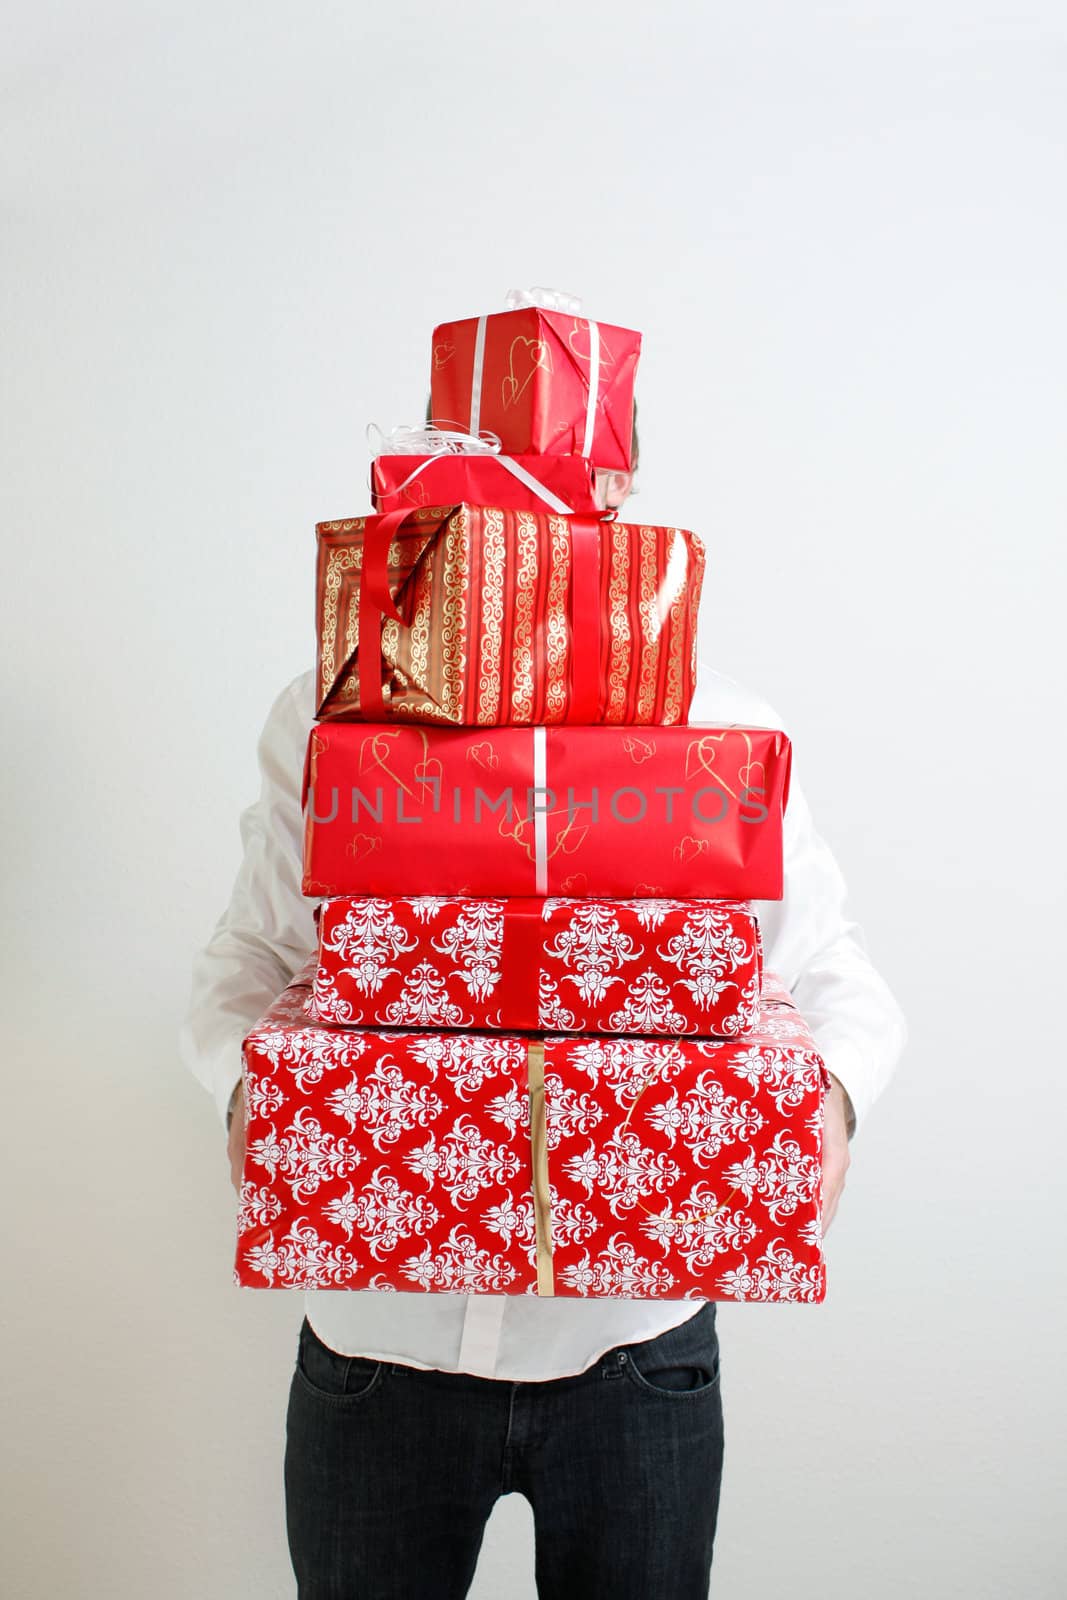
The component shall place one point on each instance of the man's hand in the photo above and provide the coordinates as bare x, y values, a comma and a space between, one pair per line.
235, 1145
835, 1157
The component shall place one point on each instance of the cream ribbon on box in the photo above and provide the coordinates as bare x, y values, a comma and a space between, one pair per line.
540, 768
594, 385
542, 1194
543, 300
535, 1078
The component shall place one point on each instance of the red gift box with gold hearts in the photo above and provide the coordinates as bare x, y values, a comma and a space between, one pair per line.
545, 382
477, 1163
478, 615
621, 813
658, 967
517, 483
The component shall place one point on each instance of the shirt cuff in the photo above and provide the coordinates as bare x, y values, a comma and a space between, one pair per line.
846, 1063
227, 1070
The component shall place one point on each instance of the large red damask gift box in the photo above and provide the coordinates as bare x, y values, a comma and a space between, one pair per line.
483, 616
518, 483
619, 813
668, 967
544, 382
480, 1163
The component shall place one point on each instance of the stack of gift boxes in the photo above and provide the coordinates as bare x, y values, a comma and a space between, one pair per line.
536, 1052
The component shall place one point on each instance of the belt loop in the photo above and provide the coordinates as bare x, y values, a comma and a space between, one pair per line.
613, 1363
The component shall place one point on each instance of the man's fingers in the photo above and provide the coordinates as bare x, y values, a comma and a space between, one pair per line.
236, 1152
833, 1182
235, 1140
829, 1210
836, 1155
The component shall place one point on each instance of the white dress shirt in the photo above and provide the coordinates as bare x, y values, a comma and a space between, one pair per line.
267, 932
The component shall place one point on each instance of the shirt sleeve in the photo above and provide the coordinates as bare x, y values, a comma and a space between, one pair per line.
810, 938
268, 929
820, 953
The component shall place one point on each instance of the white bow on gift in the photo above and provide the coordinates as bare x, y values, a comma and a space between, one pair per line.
431, 440
545, 300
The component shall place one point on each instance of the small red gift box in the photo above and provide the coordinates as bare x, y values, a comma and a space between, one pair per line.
567, 965
505, 1163
516, 483
544, 382
483, 616
618, 813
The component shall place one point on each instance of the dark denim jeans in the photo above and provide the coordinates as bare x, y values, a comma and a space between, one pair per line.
391, 1472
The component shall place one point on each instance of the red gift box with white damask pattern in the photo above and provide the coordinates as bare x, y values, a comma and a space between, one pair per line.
660, 967
480, 1163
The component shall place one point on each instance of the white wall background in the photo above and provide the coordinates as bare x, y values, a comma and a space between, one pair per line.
228, 231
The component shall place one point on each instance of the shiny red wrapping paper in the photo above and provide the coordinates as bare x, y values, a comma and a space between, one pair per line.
680, 813
480, 1163
484, 480
658, 967
544, 382
482, 616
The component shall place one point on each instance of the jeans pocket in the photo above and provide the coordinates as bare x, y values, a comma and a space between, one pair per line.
681, 1364
329, 1375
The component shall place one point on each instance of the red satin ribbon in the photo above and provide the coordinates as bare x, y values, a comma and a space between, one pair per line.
584, 700
375, 601
522, 958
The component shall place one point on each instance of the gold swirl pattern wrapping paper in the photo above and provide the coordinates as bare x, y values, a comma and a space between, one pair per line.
489, 634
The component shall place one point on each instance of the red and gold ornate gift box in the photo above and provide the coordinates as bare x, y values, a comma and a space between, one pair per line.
659, 967
519, 1164
481, 616
617, 813
545, 382
518, 483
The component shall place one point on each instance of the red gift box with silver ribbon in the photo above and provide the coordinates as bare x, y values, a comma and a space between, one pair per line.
517, 483
484, 616
545, 382
596, 812
659, 967
480, 1163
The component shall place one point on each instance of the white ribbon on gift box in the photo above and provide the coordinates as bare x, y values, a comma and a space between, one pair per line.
433, 441
540, 788
594, 385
